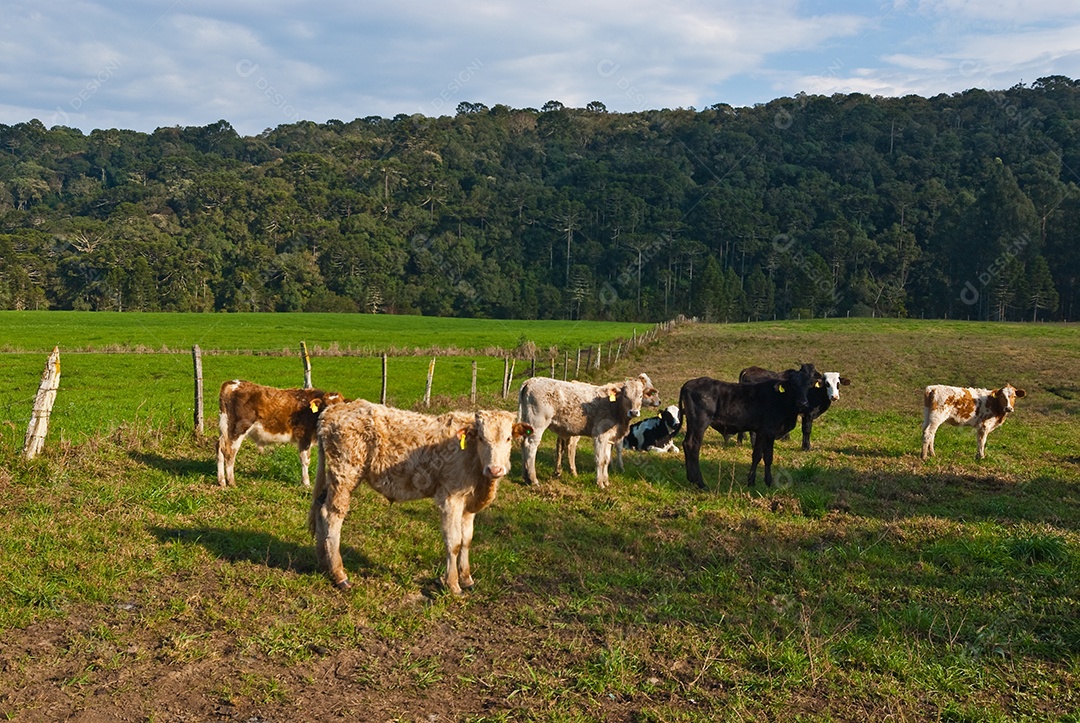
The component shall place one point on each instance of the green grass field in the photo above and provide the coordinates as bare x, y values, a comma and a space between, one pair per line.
40, 331
101, 391
867, 585
152, 380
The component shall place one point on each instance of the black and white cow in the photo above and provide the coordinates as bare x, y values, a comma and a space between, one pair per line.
655, 434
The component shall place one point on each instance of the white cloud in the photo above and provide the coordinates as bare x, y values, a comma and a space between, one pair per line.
260, 64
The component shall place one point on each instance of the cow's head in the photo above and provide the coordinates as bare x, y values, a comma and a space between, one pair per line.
833, 382
672, 418
494, 433
1006, 397
650, 397
631, 394
324, 400
799, 382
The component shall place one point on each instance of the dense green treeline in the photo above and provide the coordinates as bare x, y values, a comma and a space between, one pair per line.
959, 206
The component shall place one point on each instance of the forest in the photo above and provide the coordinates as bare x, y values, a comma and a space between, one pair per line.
960, 206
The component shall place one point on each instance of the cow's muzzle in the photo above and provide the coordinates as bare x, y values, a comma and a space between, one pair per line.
494, 471
633, 413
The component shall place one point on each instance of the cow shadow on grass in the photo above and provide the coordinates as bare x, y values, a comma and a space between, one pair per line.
256, 547
178, 466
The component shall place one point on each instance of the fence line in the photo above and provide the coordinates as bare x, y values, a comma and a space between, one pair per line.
597, 361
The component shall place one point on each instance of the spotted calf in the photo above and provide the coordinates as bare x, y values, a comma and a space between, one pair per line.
983, 409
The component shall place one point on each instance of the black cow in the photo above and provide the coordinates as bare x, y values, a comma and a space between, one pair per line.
821, 395
770, 409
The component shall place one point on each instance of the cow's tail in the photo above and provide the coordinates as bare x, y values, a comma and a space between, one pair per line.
522, 393
928, 405
318, 493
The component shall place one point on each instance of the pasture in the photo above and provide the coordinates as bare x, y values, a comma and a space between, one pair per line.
866, 585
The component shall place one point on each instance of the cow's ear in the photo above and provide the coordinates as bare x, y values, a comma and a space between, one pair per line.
522, 430
845, 382
314, 406
1021, 393
464, 434
779, 386
612, 392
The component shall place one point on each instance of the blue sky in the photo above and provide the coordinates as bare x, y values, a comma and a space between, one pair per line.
141, 65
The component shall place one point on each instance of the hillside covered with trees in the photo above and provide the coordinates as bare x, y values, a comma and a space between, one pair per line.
960, 206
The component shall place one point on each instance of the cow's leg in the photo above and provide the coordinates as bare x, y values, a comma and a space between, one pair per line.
529, 445
618, 455
759, 447
560, 450
981, 431
602, 449
692, 452
452, 509
304, 448
227, 449
767, 455
464, 571
930, 427
807, 427
571, 455
330, 509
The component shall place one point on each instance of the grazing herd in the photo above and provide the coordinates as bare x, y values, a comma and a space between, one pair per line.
458, 458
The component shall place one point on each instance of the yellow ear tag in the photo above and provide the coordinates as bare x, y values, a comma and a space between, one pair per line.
780, 388
315, 406
611, 396
461, 439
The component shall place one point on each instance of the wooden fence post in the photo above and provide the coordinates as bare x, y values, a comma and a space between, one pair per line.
382, 394
552, 366
472, 391
307, 365
532, 366
43, 404
196, 355
427, 389
566, 366
618, 351
510, 378
506, 377
599, 354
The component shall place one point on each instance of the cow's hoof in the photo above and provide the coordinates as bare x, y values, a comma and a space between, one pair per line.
344, 585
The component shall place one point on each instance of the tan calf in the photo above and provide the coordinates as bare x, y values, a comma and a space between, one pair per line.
457, 459
576, 409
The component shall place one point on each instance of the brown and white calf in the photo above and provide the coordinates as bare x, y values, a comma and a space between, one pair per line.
984, 409
457, 459
267, 415
577, 409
